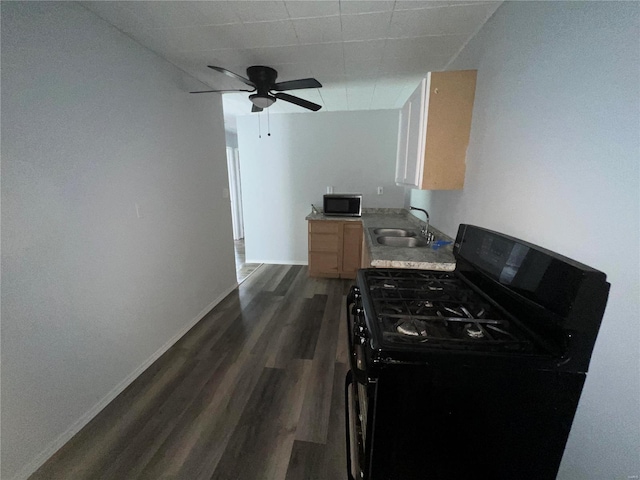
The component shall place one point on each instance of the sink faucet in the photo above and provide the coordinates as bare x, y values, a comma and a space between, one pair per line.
424, 231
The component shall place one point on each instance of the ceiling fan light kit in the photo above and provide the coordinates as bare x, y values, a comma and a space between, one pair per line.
262, 79
262, 101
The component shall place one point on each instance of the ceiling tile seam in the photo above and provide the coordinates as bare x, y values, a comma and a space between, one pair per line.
128, 35
384, 47
434, 36
344, 60
184, 27
266, 46
293, 25
480, 27
434, 7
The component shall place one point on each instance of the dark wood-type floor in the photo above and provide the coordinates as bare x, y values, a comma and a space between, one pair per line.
254, 391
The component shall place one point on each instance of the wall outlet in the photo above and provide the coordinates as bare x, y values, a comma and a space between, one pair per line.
329, 189
380, 190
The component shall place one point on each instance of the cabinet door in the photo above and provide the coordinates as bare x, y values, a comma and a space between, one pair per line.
447, 129
325, 248
323, 264
415, 140
351, 249
411, 138
403, 137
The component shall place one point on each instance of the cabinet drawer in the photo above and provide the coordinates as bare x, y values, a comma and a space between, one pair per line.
324, 227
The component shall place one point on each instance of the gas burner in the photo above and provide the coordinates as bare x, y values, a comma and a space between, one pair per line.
473, 330
412, 329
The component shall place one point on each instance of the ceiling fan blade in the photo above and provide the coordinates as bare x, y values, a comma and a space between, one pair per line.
232, 75
255, 109
298, 101
223, 91
297, 84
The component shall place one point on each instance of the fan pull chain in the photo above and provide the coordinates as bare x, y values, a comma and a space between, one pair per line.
268, 124
259, 130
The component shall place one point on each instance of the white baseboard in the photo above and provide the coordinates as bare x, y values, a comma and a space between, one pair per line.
27, 470
278, 262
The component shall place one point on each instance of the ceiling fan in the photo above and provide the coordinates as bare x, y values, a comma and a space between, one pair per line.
263, 81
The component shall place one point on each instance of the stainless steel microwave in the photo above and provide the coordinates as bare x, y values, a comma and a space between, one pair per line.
343, 204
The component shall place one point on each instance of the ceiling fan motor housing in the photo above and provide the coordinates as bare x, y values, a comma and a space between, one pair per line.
264, 79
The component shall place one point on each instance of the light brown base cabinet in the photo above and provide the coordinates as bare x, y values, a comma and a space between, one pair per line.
335, 248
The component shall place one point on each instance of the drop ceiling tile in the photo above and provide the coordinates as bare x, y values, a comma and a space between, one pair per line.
440, 21
348, 7
359, 96
321, 68
334, 99
292, 71
396, 64
263, 34
260, 11
360, 68
414, 49
209, 37
365, 26
218, 13
331, 82
225, 57
370, 51
318, 30
385, 96
321, 52
309, 9
173, 14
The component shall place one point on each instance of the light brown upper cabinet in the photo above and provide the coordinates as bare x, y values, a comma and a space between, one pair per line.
434, 129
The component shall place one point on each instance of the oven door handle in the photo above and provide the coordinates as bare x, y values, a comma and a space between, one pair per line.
347, 384
359, 374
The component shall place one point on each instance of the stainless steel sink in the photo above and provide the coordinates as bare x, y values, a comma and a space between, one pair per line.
394, 232
410, 242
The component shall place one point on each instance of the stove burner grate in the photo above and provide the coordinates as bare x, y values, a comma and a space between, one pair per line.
437, 308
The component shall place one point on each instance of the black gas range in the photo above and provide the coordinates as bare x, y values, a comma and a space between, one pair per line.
474, 373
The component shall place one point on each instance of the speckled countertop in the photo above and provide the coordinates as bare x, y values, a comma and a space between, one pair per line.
382, 256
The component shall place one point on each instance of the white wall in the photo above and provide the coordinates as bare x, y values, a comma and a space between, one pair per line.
554, 158
284, 173
92, 123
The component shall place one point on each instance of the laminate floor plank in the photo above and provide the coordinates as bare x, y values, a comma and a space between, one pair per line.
253, 391
300, 334
287, 280
342, 350
314, 418
306, 462
267, 426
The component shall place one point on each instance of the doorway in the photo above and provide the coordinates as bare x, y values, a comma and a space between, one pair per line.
243, 269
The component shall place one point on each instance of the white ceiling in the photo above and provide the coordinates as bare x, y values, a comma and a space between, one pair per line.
367, 54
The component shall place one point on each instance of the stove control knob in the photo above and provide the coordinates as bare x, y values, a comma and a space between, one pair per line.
358, 311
